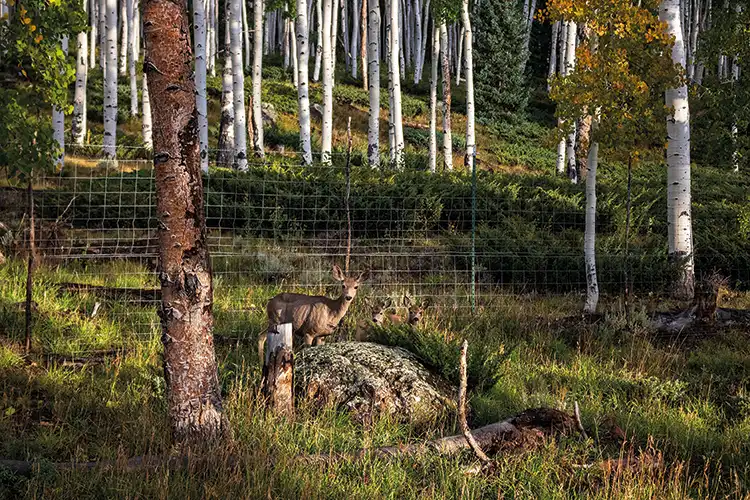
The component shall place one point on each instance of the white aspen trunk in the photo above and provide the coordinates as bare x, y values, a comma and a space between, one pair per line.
399, 49
373, 77
78, 121
529, 22
354, 45
295, 57
345, 34
406, 45
679, 220
303, 99
459, 56
327, 128
334, 38
471, 151
137, 31
446, 67
570, 62
226, 126
201, 103
433, 96
319, 40
425, 38
210, 38
131, 57
110, 81
394, 77
58, 123
238, 84
589, 237
146, 126
103, 47
563, 46
245, 37
258, 6
553, 53
694, 29
124, 37
363, 42
418, 54
94, 34
286, 43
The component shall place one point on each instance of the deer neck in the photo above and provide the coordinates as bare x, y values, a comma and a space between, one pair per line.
339, 307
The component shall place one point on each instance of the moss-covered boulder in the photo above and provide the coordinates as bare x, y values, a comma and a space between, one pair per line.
370, 380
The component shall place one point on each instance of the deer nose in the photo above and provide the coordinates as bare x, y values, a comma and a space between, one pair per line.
349, 297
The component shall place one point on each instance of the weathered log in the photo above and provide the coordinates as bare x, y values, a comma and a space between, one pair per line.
278, 370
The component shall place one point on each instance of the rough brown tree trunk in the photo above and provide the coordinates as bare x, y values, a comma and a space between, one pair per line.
278, 370
193, 392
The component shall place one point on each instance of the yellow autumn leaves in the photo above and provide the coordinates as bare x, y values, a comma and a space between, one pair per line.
27, 21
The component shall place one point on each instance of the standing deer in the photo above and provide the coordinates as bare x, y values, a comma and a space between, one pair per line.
416, 311
312, 317
378, 316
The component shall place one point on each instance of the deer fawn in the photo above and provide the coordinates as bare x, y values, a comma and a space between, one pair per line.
312, 317
378, 316
416, 311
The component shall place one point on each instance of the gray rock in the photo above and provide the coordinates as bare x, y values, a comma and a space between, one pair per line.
270, 116
369, 380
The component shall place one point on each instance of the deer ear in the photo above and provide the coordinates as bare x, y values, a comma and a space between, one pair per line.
407, 301
338, 274
363, 276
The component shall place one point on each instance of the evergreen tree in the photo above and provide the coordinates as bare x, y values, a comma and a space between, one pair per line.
501, 54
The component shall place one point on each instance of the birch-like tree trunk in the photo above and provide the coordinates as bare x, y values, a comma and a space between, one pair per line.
373, 77
103, 47
146, 124
327, 128
319, 39
363, 42
354, 45
398, 24
433, 96
679, 219
469, 55
124, 37
110, 81
345, 35
238, 86
226, 124
589, 238
295, 57
245, 35
418, 54
58, 123
131, 57
303, 98
258, 10
201, 102
553, 53
394, 77
94, 33
210, 39
194, 405
446, 67
570, 62
334, 38
78, 121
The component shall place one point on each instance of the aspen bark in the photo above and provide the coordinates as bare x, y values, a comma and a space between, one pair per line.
471, 152
78, 121
131, 59
553, 53
394, 77
194, 405
327, 128
245, 34
201, 102
354, 45
418, 54
373, 77
238, 86
94, 33
433, 96
258, 146
303, 87
58, 123
146, 124
226, 124
363, 43
589, 238
110, 81
103, 43
446, 67
295, 57
319, 39
124, 21
679, 220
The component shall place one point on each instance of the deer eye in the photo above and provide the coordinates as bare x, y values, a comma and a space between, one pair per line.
356, 287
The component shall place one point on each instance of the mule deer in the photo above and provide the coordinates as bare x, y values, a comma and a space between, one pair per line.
378, 316
312, 317
416, 311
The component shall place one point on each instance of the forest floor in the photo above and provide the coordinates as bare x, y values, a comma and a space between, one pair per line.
683, 399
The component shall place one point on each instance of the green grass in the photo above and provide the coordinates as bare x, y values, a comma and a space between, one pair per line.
691, 404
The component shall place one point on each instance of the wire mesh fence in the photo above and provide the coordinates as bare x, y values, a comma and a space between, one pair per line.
456, 240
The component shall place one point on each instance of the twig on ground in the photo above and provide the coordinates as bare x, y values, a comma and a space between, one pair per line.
462, 408
577, 414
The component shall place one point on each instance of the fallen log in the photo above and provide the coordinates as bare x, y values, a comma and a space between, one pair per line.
528, 428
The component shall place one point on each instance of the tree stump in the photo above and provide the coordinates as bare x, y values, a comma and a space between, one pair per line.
278, 370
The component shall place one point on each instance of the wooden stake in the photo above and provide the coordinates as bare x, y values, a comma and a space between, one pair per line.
278, 370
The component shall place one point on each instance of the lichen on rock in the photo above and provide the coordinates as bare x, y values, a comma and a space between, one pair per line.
370, 380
